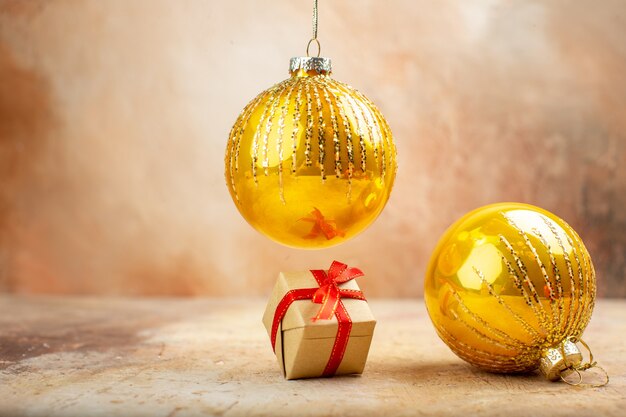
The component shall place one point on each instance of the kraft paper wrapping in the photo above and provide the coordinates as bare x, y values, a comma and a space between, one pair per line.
303, 346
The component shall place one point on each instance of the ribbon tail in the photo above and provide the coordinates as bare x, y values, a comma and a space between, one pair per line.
348, 274
336, 269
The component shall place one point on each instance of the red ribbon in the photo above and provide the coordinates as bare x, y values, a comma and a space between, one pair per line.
329, 296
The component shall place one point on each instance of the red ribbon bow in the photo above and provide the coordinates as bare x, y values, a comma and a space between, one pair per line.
329, 296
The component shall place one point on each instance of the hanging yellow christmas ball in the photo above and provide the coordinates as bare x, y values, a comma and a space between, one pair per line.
310, 162
510, 288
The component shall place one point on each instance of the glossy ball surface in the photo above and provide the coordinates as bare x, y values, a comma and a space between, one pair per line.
506, 282
310, 162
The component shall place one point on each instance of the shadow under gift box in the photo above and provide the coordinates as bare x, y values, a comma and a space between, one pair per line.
303, 346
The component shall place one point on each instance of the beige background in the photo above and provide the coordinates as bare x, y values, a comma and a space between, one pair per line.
114, 117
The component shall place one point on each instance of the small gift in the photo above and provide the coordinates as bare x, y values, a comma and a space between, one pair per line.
319, 322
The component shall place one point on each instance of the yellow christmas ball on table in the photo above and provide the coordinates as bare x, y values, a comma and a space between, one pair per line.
310, 162
510, 288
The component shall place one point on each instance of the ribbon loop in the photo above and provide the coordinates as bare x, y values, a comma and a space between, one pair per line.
341, 273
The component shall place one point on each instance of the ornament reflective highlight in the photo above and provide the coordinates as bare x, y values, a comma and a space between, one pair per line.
310, 162
509, 284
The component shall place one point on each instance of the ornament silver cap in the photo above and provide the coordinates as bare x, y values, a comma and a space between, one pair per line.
316, 64
558, 359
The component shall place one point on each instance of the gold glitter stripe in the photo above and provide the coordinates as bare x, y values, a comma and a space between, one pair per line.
279, 140
372, 129
321, 128
590, 289
545, 276
309, 124
269, 124
334, 125
570, 272
557, 280
541, 315
591, 293
527, 299
296, 129
542, 267
257, 134
502, 363
511, 342
393, 156
587, 280
495, 358
379, 141
352, 105
385, 144
235, 139
347, 130
244, 119
500, 301
482, 336
519, 283
581, 286
367, 118
229, 158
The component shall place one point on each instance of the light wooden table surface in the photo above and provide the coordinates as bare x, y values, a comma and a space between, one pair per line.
189, 357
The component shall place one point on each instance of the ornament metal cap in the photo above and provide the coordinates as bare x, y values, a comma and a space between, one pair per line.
557, 359
317, 64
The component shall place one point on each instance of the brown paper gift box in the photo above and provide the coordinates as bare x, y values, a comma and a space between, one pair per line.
303, 346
